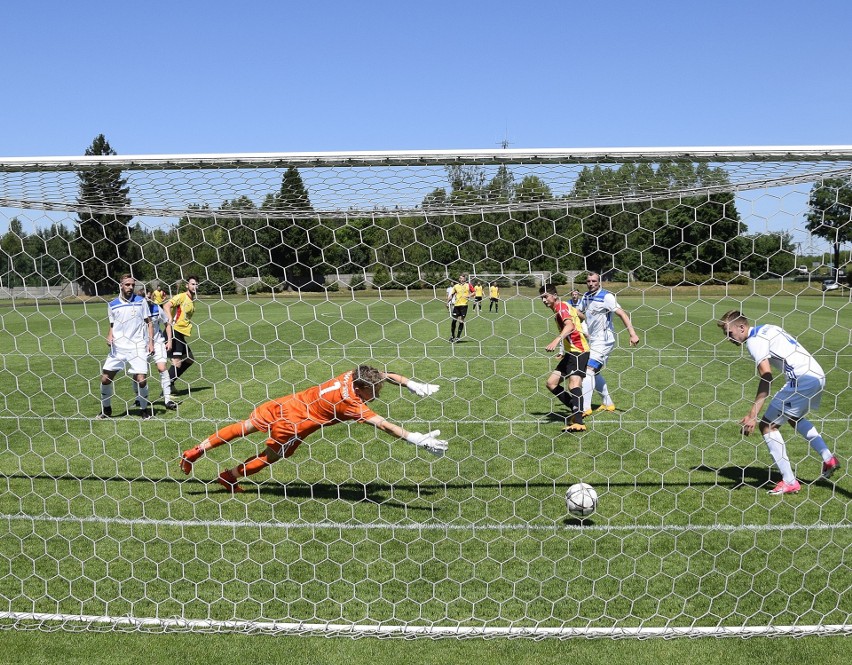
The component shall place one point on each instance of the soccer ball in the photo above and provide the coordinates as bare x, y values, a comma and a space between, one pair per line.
581, 499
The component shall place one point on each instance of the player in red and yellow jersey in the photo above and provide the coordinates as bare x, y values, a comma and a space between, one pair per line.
179, 311
289, 420
574, 350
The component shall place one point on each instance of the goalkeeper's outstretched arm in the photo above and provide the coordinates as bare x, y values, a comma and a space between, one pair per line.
419, 389
428, 441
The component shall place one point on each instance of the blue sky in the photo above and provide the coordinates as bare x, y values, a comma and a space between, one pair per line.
277, 76
211, 77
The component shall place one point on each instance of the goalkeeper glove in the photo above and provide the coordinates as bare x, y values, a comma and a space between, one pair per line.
422, 389
428, 442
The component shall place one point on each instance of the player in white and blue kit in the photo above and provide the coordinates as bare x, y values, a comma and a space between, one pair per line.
130, 339
162, 346
596, 309
774, 348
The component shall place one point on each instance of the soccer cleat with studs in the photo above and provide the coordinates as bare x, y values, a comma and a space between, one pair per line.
146, 414
829, 467
606, 407
171, 406
786, 488
227, 480
574, 428
106, 412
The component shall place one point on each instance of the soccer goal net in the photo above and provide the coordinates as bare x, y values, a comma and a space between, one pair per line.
309, 265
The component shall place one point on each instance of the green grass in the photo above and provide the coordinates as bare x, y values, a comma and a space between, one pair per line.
358, 528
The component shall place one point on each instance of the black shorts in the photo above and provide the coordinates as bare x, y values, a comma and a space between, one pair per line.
459, 311
477, 299
180, 347
573, 364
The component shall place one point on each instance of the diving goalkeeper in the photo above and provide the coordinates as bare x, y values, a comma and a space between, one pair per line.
290, 420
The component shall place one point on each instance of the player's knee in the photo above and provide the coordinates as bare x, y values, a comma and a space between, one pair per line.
273, 454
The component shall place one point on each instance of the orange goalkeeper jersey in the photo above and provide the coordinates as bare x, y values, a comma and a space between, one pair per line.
299, 415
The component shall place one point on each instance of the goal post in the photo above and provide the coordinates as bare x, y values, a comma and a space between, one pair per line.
311, 264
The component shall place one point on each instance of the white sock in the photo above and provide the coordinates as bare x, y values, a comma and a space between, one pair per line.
588, 389
143, 396
601, 387
166, 384
775, 443
807, 430
106, 394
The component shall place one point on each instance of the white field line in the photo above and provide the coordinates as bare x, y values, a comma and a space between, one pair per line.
428, 630
431, 526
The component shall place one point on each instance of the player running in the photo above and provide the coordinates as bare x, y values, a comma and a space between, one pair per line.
596, 309
573, 352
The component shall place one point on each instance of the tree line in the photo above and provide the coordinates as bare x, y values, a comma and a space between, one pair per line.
476, 224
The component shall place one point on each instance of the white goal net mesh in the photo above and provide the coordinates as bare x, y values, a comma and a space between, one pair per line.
310, 265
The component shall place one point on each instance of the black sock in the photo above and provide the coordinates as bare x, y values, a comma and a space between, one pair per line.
563, 396
577, 400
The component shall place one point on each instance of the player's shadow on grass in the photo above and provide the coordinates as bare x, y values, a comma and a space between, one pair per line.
377, 493
761, 477
189, 390
552, 416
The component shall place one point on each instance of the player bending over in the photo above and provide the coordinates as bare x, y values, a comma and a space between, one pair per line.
290, 420
770, 345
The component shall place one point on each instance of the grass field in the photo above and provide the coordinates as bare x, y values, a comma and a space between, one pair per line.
358, 529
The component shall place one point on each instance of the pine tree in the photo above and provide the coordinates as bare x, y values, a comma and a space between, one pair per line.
102, 241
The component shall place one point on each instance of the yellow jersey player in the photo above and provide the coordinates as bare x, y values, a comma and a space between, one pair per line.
494, 295
178, 311
478, 292
458, 297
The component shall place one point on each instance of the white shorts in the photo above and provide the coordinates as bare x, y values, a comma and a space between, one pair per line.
136, 358
598, 354
160, 355
793, 403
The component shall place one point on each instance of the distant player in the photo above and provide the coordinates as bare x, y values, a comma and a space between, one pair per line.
179, 310
494, 296
575, 299
130, 340
573, 352
158, 296
596, 308
771, 346
458, 298
288, 421
478, 293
